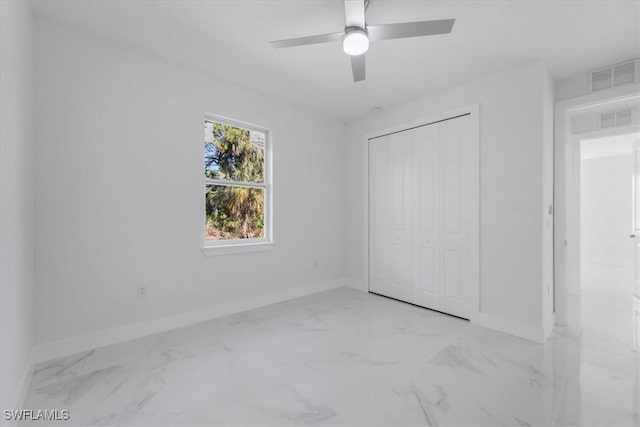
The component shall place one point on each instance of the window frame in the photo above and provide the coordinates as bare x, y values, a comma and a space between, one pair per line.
230, 246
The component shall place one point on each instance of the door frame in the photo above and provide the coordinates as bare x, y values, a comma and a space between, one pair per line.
474, 111
566, 235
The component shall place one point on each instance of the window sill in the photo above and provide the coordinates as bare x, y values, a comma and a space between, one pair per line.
237, 248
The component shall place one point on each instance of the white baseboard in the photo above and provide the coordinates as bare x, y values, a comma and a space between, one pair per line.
23, 389
521, 330
65, 347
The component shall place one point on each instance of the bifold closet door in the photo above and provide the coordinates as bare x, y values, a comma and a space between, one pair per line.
390, 220
426, 216
422, 215
379, 215
458, 162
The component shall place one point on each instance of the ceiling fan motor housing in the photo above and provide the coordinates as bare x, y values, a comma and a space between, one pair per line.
356, 41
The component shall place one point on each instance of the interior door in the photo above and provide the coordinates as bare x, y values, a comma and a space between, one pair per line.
379, 215
455, 237
426, 216
635, 234
400, 207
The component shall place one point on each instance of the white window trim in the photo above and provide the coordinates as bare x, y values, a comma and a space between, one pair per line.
237, 248
225, 247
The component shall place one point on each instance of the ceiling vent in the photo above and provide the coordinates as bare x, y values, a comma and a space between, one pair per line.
607, 120
616, 75
623, 118
615, 119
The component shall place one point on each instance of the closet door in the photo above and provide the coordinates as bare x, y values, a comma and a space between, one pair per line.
379, 215
423, 216
457, 163
426, 216
400, 208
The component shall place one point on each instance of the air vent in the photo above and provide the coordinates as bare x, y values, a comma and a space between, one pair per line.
615, 119
602, 79
624, 73
616, 75
608, 120
623, 118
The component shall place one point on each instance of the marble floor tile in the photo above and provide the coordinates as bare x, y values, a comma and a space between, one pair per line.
341, 358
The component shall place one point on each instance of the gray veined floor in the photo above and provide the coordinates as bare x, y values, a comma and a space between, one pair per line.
341, 357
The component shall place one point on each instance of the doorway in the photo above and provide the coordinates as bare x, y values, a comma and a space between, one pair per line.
607, 294
586, 118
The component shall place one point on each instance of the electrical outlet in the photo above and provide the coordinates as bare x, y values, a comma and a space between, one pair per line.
142, 291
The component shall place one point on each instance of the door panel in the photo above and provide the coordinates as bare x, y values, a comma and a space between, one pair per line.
400, 206
399, 277
426, 151
452, 283
456, 210
400, 181
379, 215
452, 165
379, 181
378, 266
426, 218
427, 283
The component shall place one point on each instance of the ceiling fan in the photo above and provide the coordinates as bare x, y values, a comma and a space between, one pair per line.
357, 34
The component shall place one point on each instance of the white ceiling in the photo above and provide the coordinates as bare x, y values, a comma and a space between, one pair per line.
610, 146
229, 39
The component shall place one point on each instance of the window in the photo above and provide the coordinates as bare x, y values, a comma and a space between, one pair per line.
236, 183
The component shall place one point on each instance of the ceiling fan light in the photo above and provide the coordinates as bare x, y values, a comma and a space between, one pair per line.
356, 42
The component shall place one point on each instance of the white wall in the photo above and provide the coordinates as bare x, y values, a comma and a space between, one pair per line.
605, 211
513, 126
572, 86
17, 171
120, 198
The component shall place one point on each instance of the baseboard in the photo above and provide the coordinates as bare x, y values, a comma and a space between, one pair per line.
518, 329
23, 389
65, 347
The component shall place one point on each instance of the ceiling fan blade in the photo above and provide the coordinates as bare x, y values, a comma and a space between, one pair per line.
301, 41
354, 13
409, 29
358, 67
